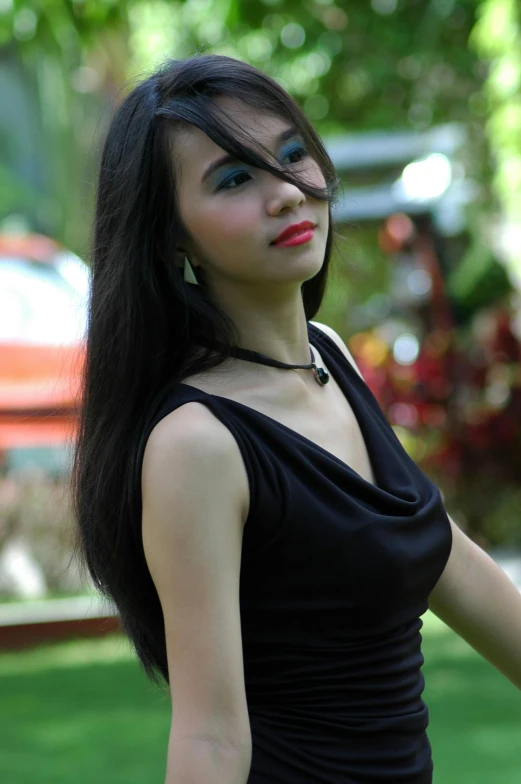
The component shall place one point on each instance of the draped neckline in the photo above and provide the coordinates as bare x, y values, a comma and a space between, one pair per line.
346, 390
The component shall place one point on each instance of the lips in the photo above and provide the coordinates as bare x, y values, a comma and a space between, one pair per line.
294, 229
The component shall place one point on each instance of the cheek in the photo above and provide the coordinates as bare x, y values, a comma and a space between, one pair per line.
223, 224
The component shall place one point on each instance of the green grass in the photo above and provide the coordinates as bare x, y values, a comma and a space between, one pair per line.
475, 712
50, 594
83, 711
80, 712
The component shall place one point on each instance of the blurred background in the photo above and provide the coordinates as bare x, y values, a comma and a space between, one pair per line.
419, 105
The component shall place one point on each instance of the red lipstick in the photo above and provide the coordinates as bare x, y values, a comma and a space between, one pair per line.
296, 234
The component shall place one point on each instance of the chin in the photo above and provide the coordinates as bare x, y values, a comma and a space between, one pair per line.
300, 273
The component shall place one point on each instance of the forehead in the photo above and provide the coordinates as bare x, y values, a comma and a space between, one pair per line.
194, 150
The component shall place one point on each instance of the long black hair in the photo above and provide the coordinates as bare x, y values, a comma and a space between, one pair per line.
143, 317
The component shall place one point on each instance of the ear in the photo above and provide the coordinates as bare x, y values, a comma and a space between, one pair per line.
180, 254
179, 258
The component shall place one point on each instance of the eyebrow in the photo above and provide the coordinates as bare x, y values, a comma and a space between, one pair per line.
282, 137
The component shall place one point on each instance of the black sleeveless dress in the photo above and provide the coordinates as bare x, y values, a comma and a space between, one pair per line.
335, 575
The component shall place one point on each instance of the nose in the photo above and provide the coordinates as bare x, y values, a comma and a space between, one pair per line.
282, 195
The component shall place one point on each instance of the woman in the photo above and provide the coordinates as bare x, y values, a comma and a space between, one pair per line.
240, 495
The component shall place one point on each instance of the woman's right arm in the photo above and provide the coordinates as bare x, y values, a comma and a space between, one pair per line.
195, 498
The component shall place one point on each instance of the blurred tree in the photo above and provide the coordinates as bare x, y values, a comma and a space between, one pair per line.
51, 44
497, 39
352, 65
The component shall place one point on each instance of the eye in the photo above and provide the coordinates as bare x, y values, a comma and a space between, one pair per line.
296, 153
225, 185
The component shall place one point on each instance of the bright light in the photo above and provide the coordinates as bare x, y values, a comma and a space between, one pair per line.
406, 349
74, 270
39, 306
425, 179
419, 283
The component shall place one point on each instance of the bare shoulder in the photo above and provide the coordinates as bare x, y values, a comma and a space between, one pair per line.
189, 442
335, 337
193, 427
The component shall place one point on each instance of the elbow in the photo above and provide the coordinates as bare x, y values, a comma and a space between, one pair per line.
199, 760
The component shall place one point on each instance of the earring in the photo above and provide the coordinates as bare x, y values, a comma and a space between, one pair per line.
189, 275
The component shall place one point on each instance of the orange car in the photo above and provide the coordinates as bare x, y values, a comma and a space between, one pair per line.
43, 306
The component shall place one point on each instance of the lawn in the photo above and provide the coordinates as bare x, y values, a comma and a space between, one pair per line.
475, 712
82, 711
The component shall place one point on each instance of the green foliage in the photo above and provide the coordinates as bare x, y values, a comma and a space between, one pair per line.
352, 65
497, 40
477, 280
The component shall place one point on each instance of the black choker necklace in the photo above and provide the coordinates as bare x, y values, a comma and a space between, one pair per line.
320, 373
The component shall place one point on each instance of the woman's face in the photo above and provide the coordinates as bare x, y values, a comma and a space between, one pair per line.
233, 211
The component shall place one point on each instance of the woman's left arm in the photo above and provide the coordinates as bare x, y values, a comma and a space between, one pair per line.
479, 602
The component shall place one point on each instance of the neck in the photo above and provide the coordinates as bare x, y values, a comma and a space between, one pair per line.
278, 330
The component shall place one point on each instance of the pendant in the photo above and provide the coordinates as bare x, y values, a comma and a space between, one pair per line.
321, 375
